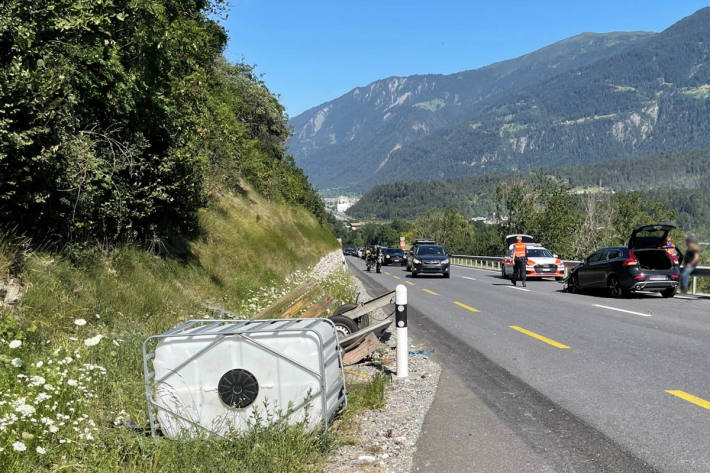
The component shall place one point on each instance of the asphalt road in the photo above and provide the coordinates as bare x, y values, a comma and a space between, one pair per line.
539, 380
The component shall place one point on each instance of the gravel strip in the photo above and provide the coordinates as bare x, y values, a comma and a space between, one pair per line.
386, 439
330, 263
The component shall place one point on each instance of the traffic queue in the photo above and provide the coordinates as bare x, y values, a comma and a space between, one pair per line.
649, 262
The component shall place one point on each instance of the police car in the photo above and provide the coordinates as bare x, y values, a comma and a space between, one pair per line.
541, 262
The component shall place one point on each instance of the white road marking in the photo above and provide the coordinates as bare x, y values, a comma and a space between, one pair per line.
466, 277
685, 297
622, 310
518, 288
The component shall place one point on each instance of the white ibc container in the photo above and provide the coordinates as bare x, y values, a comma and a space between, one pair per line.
220, 376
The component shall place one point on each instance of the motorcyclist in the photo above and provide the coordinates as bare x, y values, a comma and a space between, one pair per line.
374, 258
378, 257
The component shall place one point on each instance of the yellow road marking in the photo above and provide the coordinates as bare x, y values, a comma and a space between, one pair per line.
467, 307
388, 274
410, 283
430, 292
396, 277
538, 336
690, 398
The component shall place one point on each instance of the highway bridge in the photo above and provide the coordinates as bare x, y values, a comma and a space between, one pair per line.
539, 380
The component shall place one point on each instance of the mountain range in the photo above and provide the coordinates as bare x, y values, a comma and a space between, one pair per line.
586, 99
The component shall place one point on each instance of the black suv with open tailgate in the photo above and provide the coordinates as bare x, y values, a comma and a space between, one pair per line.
643, 265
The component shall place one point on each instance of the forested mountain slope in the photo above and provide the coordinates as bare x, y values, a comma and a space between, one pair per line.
476, 196
348, 140
652, 97
641, 95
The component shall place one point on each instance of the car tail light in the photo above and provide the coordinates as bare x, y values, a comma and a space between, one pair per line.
631, 261
640, 276
675, 276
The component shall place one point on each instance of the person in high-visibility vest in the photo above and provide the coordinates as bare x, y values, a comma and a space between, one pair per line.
520, 260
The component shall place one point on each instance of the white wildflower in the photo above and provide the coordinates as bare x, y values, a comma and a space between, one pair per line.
90, 342
41, 450
39, 364
15, 344
16, 362
79, 322
37, 380
43, 396
19, 446
25, 409
53, 429
97, 316
72, 382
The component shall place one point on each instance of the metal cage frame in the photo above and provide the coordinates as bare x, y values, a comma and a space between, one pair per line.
223, 328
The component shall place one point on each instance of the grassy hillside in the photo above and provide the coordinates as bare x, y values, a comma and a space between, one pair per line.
70, 352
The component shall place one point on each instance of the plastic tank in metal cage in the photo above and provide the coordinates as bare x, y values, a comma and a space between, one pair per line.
222, 376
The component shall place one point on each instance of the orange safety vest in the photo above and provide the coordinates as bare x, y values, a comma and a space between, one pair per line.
519, 250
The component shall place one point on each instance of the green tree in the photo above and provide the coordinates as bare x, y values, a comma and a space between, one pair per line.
117, 118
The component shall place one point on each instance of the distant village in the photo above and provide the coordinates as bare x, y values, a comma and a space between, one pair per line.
339, 205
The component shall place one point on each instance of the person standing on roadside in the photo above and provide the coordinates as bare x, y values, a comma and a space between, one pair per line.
692, 255
520, 260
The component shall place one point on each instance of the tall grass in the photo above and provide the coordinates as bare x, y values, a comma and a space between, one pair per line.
70, 353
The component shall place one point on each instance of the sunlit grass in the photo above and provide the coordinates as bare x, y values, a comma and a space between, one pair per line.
70, 354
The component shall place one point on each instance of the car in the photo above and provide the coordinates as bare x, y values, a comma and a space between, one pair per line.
348, 251
392, 256
642, 265
430, 259
541, 262
411, 251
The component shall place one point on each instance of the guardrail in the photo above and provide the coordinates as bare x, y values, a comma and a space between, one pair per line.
494, 263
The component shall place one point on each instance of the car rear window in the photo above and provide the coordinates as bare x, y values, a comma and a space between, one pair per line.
394, 252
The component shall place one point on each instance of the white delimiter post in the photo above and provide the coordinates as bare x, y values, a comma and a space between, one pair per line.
400, 300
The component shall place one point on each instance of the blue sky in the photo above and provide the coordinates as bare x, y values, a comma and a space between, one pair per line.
312, 51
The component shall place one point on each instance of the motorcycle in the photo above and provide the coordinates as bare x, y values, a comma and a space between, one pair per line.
374, 260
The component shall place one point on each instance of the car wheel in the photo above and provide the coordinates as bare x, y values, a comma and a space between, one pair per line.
573, 284
362, 322
344, 326
559, 278
343, 308
502, 272
447, 275
615, 289
670, 292
414, 274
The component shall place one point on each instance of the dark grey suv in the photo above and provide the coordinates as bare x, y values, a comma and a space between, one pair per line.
430, 259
